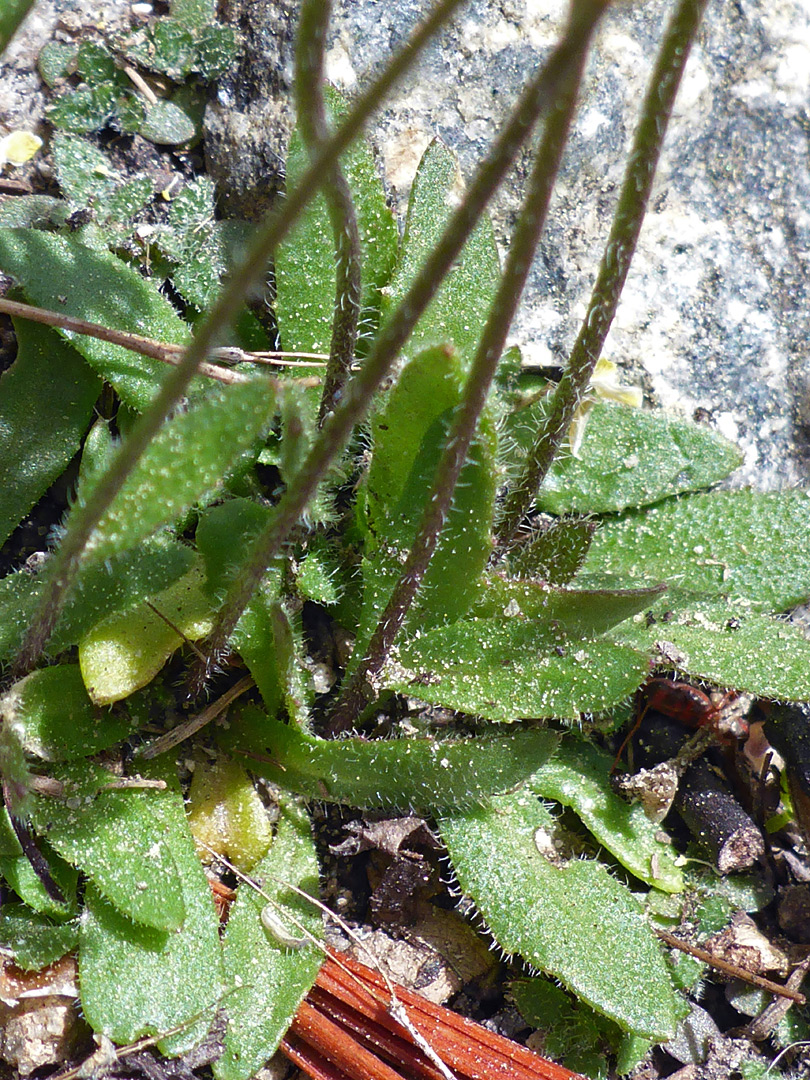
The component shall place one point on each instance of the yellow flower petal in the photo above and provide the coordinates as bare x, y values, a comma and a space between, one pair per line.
605, 384
18, 147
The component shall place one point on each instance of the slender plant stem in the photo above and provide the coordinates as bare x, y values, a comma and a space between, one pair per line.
157, 350
64, 565
361, 388
312, 123
584, 18
167, 352
627, 221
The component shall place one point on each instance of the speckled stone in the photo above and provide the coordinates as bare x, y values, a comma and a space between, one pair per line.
715, 314
715, 317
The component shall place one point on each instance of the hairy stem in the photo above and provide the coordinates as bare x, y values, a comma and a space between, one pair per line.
312, 123
361, 388
64, 565
621, 244
528, 230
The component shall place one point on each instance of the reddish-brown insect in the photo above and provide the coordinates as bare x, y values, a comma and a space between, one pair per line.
692, 707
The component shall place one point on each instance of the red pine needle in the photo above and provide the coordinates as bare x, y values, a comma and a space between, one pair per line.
345, 1031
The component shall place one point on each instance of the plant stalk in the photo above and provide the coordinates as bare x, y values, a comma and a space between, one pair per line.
584, 18
625, 229
312, 123
392, 336
65, 562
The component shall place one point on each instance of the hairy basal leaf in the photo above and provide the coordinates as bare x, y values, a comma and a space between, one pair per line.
579, 611
410, 433
457, 313
186, 460
118, 840
124, 652
115, 585
508, 668
735, 544
137, 980
33, 940
629, 457
46, 404
305, 262
731, 647
56, 719
570, 919
269, 980
424, 773
63, 274
579, 776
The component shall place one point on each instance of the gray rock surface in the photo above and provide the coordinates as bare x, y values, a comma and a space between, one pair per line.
715, 315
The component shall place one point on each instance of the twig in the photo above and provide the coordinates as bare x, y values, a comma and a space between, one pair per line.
165, 352
195, 723
134, 783
763, 1025
138, 80
730, 969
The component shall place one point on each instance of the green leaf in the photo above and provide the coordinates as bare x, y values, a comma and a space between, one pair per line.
204, 248
95, 63
137, 980
55, 717
34, 941
305, 262
85, 109
318, 575
193, 14
62, 274
459, 310
125, 651
185, 461
118, 839
119, 584
225, 812
507, 668
429, 386
556, 554
450, 582
46, 404
728, 646
426, 773
726, 544
269, 980
571, 1032
571, 920
11, 15
224, 536
262, 636
216, 48
583, 612
129, 199
24, 881
166, 123
55, 61
409, 436
579, 776
83, 171
33, 212
629, 457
